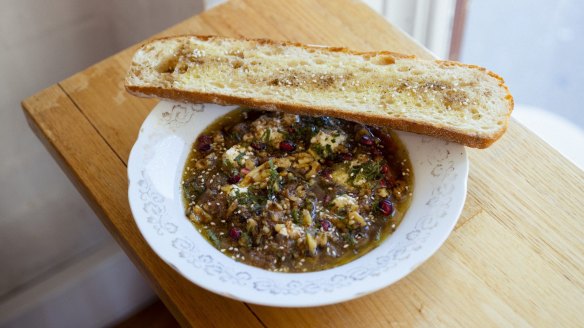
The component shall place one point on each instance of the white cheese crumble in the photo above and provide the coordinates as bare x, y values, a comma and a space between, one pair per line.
329, 138
345, 202
267, 130
235, 189
340, 176
275, 137
237, 154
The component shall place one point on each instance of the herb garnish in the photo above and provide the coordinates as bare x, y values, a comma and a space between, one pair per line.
301, 132
252, 199
324, 152
238, 158
295, 217
213, 237
274, 181
231, 170
266, 136
193, 189
369, 171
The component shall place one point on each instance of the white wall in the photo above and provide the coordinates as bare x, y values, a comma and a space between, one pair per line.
427, 21
45, 226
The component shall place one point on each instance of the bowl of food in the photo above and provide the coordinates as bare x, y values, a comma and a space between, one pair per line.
287, 210
285, 174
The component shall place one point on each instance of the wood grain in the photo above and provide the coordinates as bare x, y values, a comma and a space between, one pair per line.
100, 176
515, 258
154, 315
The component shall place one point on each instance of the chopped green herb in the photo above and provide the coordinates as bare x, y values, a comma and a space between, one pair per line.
252, 198
193, 189
349, 239
301, 132
238, 158
324, 152
266, 136
320, 150
369, 171
295, 217
329, 150
229, 168
246, 239
274, 181
213, 237
378, 235
232, 135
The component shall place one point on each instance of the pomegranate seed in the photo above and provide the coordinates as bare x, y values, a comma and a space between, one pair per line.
287, 146
325, 224
204, 147
385, 206
244, 171
326, 173
258, 145
205, 139
366, 140
382, 183
234, 179
384, 169
346, 156
235, 233
376, 152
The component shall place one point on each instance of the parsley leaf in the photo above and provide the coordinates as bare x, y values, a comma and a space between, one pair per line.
266, 136
295, 217
274, 181
369, 171
238, 158
214, 239
229, 168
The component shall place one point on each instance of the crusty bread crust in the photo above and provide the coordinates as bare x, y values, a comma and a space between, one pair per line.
443, 131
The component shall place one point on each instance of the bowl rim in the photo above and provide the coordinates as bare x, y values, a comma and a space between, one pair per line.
218, 288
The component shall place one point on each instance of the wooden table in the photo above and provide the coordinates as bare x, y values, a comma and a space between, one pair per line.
516, 257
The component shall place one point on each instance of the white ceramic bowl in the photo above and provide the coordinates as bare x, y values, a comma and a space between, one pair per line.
155, 169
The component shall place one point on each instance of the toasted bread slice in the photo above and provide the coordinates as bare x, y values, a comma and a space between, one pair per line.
450, 100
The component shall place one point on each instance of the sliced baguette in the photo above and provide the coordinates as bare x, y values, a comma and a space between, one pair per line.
462, 103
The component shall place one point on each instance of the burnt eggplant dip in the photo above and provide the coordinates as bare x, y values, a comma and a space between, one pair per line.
292, 193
